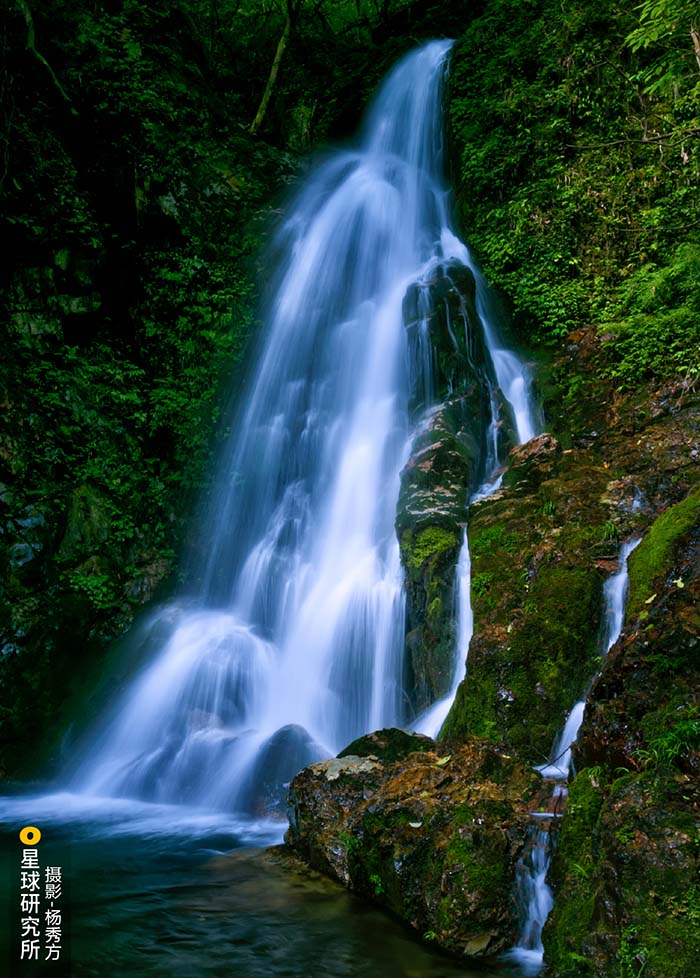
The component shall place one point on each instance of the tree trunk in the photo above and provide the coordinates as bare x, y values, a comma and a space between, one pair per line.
696, 43
283, 41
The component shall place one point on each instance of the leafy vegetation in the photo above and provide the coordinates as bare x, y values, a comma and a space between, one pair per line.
576, 134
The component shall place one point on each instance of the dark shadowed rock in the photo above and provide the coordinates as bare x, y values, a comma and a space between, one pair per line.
445, 333
388, 745
287, 751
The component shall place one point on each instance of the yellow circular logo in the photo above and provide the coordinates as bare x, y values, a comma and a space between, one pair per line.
30, 835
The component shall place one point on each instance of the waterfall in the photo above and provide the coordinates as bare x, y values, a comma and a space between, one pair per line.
292, 645
534, 895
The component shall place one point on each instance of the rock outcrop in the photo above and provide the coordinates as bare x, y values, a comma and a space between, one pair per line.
429, 523
627, 871
536, 596
433, 835
447, 343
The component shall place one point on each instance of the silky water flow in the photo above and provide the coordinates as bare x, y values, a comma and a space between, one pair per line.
293, 643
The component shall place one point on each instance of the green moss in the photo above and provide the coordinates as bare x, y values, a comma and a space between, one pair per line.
520, 693
429, 545
492, 539
581, 817
654, 556
482, 865
632, 843
480, 583
573, 869
435, 611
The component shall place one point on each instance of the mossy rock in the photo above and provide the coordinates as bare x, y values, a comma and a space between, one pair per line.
651, 560
87, 525
626, 879
430, 514
388, 745
644, 706
626, 872
433, 838
536, 597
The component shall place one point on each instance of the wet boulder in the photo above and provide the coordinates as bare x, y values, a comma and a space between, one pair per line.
533, 463
287, 751
445, 333
429, 521
432, 836
391, 744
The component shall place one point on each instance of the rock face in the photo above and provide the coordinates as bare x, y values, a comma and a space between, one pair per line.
627, 871
429, 521
536, 596
446, 341
445, 333
532, 463
432, 836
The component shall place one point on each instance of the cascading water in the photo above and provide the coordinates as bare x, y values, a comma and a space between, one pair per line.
535, 896
514, 382
294, 644
432, 720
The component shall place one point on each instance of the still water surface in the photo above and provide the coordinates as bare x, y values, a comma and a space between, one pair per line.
155, 890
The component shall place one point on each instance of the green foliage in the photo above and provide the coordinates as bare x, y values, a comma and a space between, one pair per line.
667, 28
376, 882
651, 560
480, 583
674, 743
100, 589
576, 130
653, 319
633, 955
350, 843
137, 208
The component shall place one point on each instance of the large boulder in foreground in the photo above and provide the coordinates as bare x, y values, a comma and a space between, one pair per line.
434, 836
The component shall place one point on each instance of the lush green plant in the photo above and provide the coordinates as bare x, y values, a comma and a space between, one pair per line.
633, 955
576, 131
376, 881
667, 748
480, 583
